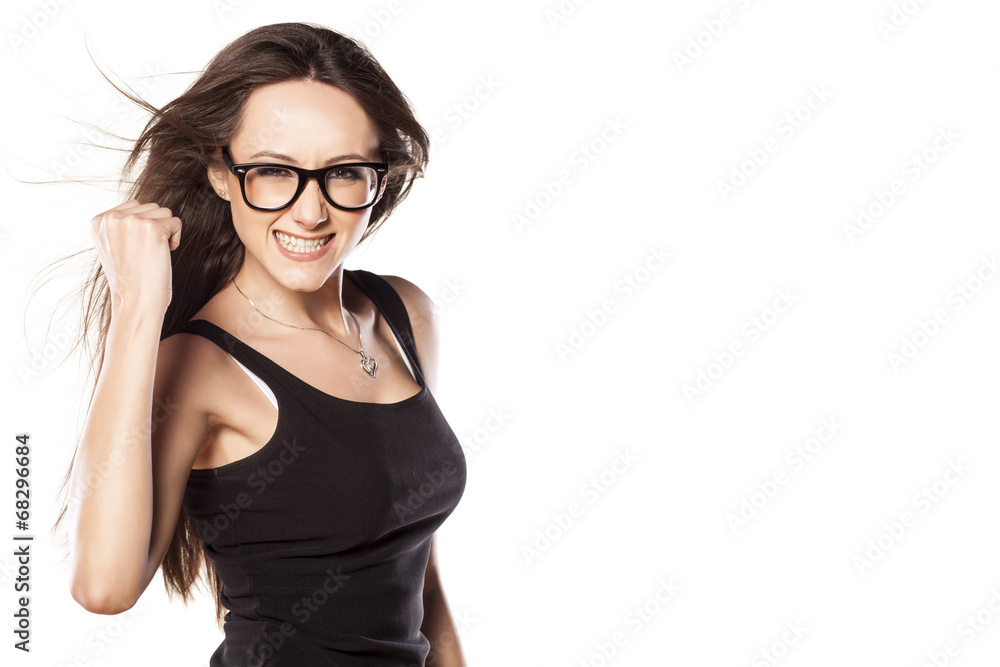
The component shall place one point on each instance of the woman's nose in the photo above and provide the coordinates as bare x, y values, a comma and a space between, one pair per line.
310, 208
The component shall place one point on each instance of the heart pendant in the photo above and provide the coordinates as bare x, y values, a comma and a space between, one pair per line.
369, 365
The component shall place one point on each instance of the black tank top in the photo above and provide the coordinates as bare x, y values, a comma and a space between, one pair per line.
321, 538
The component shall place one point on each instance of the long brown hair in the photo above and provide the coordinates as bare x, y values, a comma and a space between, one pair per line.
178, 143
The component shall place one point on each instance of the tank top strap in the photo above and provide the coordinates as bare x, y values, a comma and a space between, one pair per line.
237, 349
214, 333
392, 308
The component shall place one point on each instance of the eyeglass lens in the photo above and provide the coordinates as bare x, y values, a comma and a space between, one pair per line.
273, 187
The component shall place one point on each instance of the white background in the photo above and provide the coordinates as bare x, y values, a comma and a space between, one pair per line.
519, 296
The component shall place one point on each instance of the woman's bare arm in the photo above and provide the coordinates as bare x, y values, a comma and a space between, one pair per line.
142, 435
136, 449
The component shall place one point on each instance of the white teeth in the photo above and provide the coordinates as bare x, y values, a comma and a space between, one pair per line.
299, 245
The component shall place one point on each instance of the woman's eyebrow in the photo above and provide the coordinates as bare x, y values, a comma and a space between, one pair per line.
286, 158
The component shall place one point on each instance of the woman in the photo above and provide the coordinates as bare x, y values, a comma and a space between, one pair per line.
255, 399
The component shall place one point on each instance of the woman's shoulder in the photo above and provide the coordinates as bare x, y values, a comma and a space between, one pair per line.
191, 358
422, 312
189, 351
419, 306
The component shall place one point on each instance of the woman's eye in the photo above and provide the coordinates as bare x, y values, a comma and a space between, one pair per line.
344, 174
274, 172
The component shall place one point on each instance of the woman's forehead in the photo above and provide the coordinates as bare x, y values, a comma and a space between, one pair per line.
304, 117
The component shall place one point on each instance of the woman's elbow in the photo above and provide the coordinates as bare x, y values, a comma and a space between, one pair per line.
98, 601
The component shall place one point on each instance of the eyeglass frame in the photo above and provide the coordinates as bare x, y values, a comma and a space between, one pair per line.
304, 175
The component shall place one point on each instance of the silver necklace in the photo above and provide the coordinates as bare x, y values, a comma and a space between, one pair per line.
368, 364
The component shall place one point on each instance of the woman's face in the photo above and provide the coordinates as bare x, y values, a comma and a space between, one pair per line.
305, 124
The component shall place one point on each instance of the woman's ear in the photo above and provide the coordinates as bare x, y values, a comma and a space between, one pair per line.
217, 175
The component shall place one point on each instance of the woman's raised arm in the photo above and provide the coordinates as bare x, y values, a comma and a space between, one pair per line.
141, 435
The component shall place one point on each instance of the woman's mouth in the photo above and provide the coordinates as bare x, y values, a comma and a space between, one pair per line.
301, 246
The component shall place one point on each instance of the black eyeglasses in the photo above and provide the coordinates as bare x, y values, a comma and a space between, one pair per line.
350, 186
